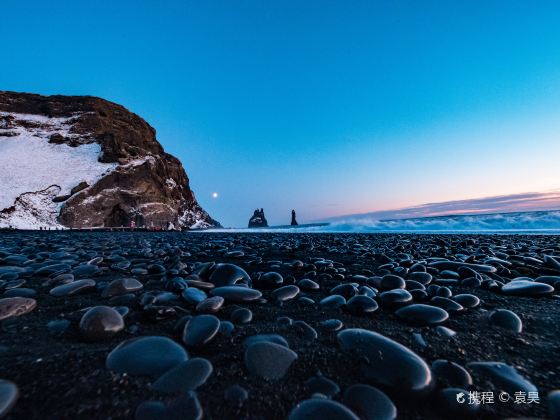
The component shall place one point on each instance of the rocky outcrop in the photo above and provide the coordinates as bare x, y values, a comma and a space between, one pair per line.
258, 219
136, 179
294, 221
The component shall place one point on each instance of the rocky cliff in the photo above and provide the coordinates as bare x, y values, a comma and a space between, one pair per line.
81, 161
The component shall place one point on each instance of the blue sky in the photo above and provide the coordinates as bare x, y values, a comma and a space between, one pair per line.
328, 107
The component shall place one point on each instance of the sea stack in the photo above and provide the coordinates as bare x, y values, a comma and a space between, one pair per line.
294, 221
258, 219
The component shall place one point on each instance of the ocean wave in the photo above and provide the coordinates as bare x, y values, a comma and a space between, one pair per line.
535, 221
522, 221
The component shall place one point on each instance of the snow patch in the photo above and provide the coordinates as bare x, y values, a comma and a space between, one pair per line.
33, 210
29, 163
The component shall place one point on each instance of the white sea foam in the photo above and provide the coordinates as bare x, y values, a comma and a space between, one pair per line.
537, 222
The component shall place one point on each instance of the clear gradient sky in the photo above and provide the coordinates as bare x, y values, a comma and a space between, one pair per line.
328, 107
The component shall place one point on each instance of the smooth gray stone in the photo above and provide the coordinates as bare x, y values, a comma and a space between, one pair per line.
149, 355
361, 305
421, 277
369, 403
503, 376
20, 292
70, 289
16, 306
200, 329
333, 301
241, 316
228, 275
504, 318
308, 285
121, 287
422, 315
447, 304
321, 408
396, 297
269, 360
390, 365
306, 300
527, 288
212, 304
9, 394
392, 281
455, 265
101, 323
270, 280
447, 332
467, 300
193, 295
451, 374
331, 324
554, 281
186, 376
285, 293
226, 328
236, 294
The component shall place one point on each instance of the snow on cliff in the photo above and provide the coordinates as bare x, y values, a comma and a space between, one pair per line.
31, 165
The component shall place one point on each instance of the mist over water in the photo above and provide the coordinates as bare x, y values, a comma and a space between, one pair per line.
525, 222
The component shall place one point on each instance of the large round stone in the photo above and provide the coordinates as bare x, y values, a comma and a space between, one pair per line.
100, 323
391, 365
270, 280
229, 274
361, 305
150, 355
392, 281
504, 318
395, 297
200, 329
422, 315
467, 300
269, 360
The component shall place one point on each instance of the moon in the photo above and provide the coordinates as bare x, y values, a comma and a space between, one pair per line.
215, 195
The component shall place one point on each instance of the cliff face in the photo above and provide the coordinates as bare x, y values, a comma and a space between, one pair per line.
81, 161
